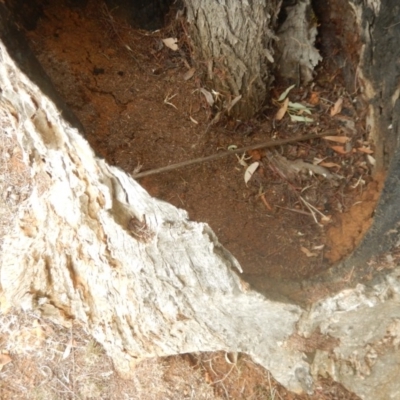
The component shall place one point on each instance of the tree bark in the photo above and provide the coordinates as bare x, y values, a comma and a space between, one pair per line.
234, 39
89, 244
239, 44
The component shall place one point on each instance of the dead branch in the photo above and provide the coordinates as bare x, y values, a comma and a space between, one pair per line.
271, 143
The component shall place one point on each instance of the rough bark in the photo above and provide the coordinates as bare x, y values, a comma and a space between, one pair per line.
296, 53
235, 39
88, 243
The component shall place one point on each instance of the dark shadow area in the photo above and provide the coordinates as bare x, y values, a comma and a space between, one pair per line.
143, 14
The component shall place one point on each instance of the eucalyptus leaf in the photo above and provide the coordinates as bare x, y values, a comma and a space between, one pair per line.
285, 93
300, 118
250, 171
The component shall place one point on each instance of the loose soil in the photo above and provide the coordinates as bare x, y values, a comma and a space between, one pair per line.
142, 108
129, 91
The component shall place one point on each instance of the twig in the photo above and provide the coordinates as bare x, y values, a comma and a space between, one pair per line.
271, 143
296, 211
313, 210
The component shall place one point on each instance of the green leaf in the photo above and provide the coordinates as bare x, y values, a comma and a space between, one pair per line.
285, 93
297, 106
300, 118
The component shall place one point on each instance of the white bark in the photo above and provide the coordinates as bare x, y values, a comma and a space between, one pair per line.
141, 291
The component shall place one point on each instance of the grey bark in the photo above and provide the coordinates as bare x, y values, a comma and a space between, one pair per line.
296, 53
238, 43
235, 39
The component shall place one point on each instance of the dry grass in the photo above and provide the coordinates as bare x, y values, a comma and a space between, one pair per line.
47, 361
15, 183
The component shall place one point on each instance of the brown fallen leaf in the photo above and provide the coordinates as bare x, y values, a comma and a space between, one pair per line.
329, 164
365, 150
339, 149
337, 107
188, 74
314, 98
307, 252
338, 139
264, 200
282, 111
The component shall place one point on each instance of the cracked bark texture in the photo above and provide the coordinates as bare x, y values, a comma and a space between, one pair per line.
164, 285
235, 40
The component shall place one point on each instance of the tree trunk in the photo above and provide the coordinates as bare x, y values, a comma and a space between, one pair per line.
238, 41
88, 243
234, 39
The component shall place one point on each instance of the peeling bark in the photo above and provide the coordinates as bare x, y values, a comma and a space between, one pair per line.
296, 53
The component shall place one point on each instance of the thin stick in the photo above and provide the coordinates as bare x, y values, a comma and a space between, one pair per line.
213, 157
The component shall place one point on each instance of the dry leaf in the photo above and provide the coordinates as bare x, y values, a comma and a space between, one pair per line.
339, 149
209, 97
338, 139
365, 150
216, 118
234, 101
337, 107
329, 164
326, 219
314, 98
285, 93
171, 43
282, 111
4, 360
67, 350
307, 252
189, 74
250, 171
371, 160
193, 120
